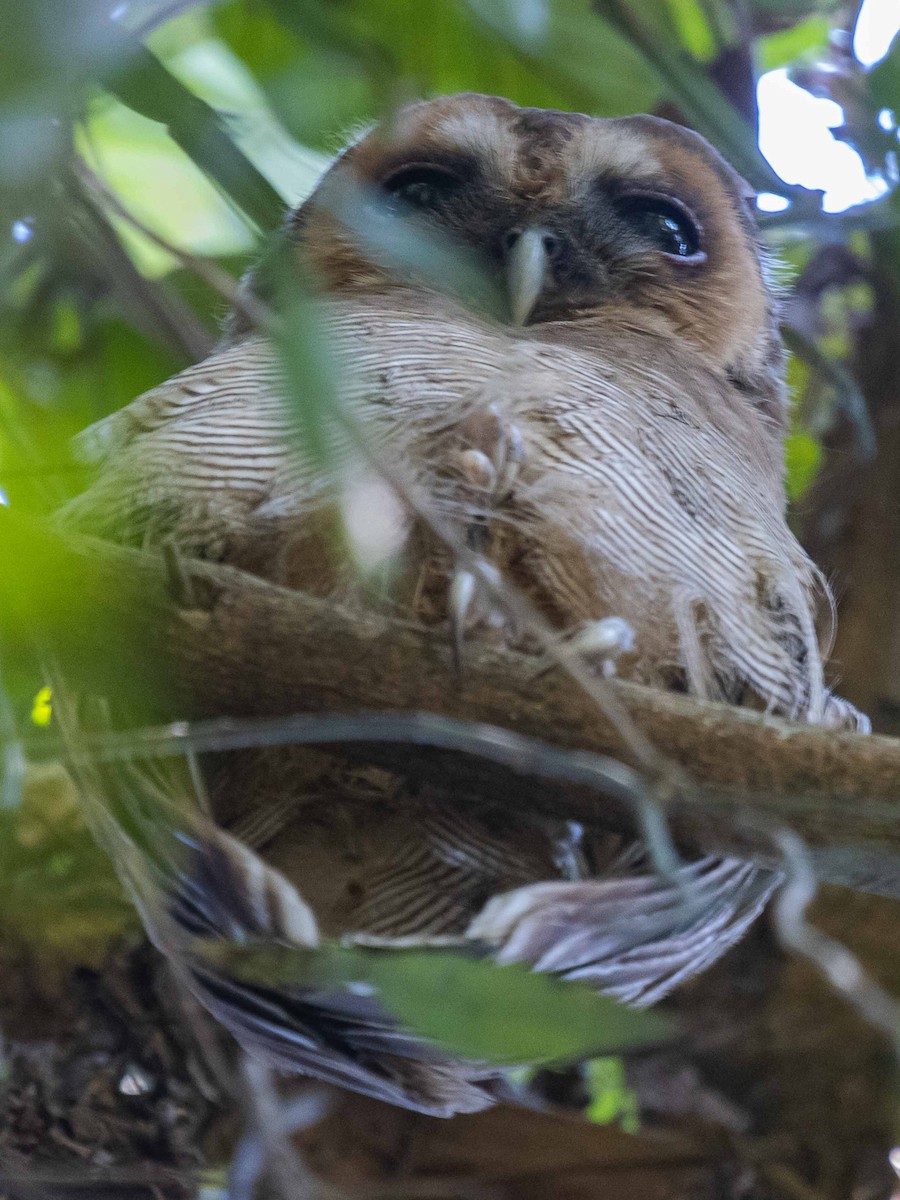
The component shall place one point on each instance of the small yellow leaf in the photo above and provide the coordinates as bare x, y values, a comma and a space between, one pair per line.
42, 708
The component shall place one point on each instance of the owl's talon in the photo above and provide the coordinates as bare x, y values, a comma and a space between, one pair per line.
494, 453
513, 457
840, 714
470, 599
463, 587
478, 469
489, 464
606, 640
179, 582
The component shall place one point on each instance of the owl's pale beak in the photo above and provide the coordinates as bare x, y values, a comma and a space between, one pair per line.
527, 260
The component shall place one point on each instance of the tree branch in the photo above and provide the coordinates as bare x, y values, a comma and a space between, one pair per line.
236, 646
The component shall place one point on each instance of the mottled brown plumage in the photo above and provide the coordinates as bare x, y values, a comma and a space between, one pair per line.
617, 451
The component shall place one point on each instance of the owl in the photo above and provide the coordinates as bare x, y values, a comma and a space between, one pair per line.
609, 436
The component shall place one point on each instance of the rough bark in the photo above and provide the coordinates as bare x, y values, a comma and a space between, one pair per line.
231, 644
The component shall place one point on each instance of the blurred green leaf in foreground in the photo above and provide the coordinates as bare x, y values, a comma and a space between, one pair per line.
499, 1014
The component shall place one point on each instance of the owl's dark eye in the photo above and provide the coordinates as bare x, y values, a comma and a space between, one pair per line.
422, 186
665, 222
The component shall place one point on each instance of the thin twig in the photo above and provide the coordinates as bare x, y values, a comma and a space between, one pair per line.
158, 312
848, 392
524, 755
217, 279
840, 967
13, 763
265, 1150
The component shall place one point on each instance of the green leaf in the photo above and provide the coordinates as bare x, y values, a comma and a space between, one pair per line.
591, 64
342, 28
414, 247
693, 29
251, 32
320, 94
802, 459
315, 90
212, 70
848, 395
58, 392
62, 597
411, 248
611, 1097
142, 82
49, 53
161, 186
551, 55
884, 79
788, 45
309, 369
471, 1007
704, 105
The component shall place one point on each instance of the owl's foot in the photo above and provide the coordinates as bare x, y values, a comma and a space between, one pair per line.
468, 601
489, 462
179, 582
603, 642
842, 715
492, 455
463, 586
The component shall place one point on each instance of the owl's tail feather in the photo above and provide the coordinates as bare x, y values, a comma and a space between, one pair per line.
192, 883
634, 938
631, 934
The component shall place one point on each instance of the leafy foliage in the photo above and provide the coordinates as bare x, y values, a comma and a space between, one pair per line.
218, 116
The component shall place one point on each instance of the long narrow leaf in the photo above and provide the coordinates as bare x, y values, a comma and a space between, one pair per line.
470, 1006
143, 83
704, 106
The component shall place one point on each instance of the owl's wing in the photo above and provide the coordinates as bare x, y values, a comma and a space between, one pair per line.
190, 460
634, 937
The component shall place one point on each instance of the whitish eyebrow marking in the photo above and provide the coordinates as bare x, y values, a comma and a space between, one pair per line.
622, 152
486, 135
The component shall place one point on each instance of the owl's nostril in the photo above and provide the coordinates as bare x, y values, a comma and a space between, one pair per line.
549, 241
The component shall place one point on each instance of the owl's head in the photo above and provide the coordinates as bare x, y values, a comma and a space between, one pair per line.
578, 218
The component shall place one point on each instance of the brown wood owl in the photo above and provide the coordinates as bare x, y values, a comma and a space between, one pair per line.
615, 446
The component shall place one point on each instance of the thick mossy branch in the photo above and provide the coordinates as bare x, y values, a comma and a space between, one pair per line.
209, 641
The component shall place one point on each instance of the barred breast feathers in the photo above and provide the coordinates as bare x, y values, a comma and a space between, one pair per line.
632, 470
